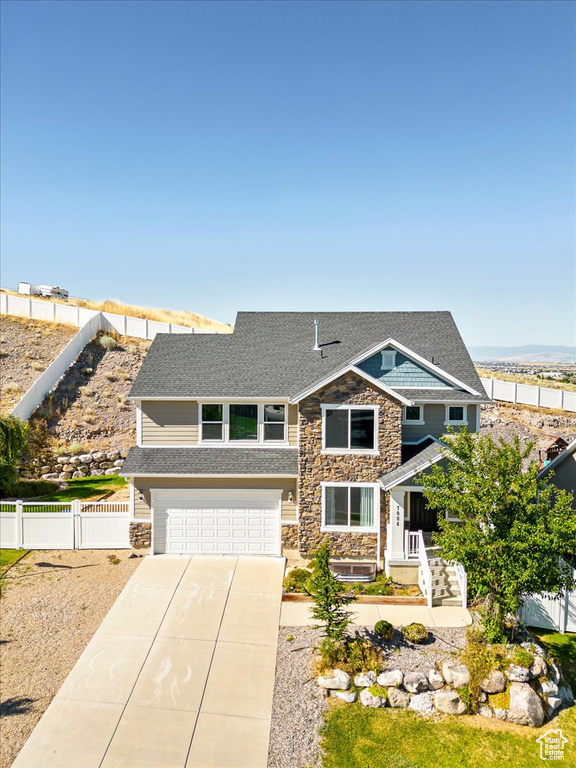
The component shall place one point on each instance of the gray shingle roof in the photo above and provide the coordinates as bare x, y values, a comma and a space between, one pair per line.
412, 466
270, 353
440, 395
211, 461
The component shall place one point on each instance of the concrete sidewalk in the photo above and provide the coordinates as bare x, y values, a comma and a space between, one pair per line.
180, 673
298, 615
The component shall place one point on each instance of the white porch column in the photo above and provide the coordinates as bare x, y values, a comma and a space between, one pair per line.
395, 540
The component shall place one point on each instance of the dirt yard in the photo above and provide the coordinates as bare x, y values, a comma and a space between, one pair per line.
51, 604
27, 347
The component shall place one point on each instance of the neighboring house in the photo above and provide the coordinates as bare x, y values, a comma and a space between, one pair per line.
268, 439
563, 470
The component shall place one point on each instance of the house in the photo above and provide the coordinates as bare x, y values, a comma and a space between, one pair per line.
295, 427
562, 470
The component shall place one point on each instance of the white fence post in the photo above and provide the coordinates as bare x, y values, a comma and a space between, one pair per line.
19, 507
75, 509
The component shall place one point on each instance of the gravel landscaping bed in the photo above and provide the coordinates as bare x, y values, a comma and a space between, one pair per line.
52, 603
298, 707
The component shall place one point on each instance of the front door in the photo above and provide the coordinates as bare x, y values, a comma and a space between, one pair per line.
422, 518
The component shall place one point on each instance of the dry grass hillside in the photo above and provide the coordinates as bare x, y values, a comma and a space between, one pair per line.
525, 378
27, 347
177, 317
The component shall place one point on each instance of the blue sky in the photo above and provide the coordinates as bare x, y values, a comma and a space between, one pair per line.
218, 156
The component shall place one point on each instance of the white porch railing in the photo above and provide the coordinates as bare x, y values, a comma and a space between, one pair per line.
462, 577
424, 572
411, 544
64, 525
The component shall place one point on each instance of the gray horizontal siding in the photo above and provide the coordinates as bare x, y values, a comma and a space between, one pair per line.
169, 423
434, 416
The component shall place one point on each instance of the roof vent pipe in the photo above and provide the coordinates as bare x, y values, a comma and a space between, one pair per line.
317, 336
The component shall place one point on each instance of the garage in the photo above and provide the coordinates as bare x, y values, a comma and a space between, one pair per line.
210, 521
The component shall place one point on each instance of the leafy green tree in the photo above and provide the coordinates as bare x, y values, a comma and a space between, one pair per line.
329, 596
514, 528
13, 442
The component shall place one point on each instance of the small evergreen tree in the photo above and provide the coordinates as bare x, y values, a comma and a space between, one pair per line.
328, 594
13, 442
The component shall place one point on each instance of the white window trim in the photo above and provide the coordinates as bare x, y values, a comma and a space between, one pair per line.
350, 407
351, 528
226, 424
389, 354
416, 422
463, 420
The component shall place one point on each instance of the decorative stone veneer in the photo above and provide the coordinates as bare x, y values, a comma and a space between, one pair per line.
289, 536
141, 535
316, 467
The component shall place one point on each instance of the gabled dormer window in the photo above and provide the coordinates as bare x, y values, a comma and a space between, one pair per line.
388, 359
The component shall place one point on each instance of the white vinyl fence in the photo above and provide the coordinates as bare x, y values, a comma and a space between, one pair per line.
525, 394
36, 309
64, 525
557, 613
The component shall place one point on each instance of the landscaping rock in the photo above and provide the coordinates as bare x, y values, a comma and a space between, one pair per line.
63, 460
77, 474
486, 712
482, 697
111, 471
347, 696
398, 698
565, 693
554, 703
64, 476
449, 702
435, 680
338, 680
119, 462
555, 674
548, 688
494, 683
369, 700
517, 674
539, 668
422, 702
456, 674
392, 677
365, 679
50, 476
85, 458
525, 706
415, 682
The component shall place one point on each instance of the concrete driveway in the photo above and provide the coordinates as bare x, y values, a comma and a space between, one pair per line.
180, 673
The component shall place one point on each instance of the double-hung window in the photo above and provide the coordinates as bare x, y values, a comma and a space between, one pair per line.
456, 414
350, 428
349, 506
243, 422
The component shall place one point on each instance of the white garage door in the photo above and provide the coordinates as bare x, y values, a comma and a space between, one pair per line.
217, 522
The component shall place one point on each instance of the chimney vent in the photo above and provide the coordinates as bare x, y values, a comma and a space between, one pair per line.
317, 336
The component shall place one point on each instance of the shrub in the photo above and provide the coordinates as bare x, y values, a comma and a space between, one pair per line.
378, 690
353, 655
522, 657
13, 443
376, 588
29, 489
384, 629
11, 388
415, 633
296, 580
110, 376
75, 449
87, 371
481, 658
37, 366
107, 342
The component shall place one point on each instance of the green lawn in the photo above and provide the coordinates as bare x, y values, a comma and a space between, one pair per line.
10, 556
91, 488
358, 737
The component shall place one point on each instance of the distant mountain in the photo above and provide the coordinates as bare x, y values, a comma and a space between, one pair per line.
529, 353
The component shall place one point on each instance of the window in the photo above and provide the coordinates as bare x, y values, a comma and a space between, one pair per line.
388, 359
247, 422
349, 428
413, 414
212, 422
456, 414
349, 506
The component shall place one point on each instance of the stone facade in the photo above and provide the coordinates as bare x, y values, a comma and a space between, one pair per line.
289, 536
141, 535
316, 467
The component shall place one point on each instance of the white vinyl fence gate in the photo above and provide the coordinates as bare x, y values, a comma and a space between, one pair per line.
64, 525
551, 612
